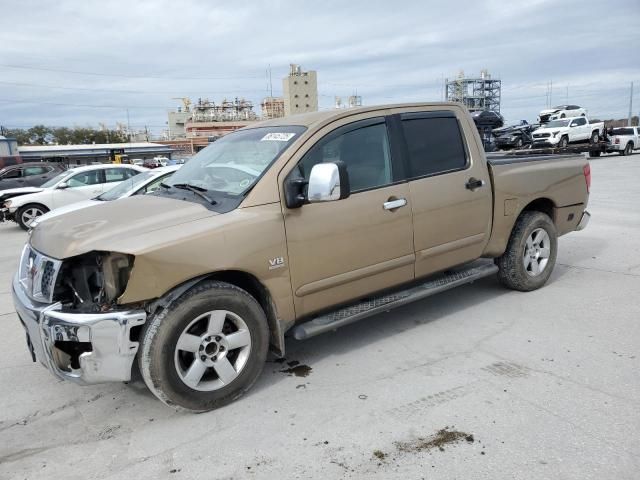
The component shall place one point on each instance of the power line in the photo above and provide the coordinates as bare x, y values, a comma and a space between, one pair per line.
139, 92
124, 75
37, 102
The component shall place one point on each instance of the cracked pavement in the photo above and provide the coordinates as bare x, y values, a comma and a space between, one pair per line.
545, 382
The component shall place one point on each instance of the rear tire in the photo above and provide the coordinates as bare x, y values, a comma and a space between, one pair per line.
27, 213
628, 149
531, 253
595, 137
206, 349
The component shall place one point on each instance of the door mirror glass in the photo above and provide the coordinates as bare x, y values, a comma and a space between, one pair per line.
63, 185
328, 182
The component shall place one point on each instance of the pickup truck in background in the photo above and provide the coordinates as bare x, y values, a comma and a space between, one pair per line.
296, 225
623, 140
560, 133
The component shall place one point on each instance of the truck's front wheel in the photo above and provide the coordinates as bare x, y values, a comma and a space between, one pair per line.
205, 350
531, 253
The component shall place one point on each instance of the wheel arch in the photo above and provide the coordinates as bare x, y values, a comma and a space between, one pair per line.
240, 279
542, 204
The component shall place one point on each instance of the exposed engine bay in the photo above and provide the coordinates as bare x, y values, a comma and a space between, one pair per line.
92, 282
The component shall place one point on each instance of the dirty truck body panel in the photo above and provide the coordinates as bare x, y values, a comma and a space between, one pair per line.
411, 194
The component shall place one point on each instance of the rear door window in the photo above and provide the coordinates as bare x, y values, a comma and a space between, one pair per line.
118, 174
434, 143
13, 173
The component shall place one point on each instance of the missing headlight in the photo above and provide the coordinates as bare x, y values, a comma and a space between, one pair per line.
93, 281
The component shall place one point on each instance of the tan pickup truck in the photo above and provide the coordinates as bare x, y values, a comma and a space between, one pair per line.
298, 225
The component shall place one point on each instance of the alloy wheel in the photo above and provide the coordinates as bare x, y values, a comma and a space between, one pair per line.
537, 251
212, 350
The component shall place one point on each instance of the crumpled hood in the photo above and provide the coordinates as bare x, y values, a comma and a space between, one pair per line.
104, 226
549, 110
8, 192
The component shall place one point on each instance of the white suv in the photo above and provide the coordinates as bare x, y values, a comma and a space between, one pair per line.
561, 111
73, 185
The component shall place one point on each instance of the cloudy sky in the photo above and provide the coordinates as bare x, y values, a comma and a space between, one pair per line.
83, 62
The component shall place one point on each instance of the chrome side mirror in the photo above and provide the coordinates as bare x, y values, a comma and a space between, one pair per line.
328, 182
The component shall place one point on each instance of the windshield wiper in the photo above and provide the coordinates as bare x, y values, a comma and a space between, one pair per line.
195, 189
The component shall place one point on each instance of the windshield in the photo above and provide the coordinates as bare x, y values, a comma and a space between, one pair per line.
557, 123
51, 182
125, 186
234, 163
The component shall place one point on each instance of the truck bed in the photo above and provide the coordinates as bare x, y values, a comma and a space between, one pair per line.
555, 182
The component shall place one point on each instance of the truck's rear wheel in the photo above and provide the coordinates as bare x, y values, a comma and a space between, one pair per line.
531, 253
628, 149
595, 137
207, 349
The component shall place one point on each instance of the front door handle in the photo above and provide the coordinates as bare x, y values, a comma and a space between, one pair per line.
393, 204
474, 183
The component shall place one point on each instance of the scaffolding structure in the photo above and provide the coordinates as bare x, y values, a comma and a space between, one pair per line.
227, 111
476, 93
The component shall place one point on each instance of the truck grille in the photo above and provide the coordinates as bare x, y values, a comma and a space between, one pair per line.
38, 274
541, 135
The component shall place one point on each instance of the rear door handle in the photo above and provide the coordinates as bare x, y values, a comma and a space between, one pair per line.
474, 183
393, 204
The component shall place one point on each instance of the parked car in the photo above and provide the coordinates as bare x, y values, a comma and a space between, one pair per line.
70, 186
560, 133
152, 163
141, 184
301, 224
514, 137
560, 112
29, 174
623, 140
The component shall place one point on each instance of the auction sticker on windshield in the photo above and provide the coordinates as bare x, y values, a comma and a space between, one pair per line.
277, 137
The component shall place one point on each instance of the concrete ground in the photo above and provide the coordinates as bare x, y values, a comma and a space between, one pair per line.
520, 385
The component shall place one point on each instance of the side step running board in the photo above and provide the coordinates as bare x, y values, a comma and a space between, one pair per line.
371, 306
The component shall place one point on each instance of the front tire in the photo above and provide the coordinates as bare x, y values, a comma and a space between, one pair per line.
595, 137
564, 142
206, 349
27, 213
531, 253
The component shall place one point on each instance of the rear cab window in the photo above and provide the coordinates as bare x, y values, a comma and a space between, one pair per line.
434, 143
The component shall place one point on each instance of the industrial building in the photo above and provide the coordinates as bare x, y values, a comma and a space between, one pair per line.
476, 93
300, 91
87, 154
272, 107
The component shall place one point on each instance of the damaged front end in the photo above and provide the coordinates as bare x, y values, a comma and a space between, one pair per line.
92, 282
74, 324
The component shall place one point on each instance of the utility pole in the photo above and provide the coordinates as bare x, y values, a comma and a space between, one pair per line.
630, 105
128, 127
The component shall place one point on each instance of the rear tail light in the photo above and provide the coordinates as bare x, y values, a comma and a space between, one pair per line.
587, 176
617, 140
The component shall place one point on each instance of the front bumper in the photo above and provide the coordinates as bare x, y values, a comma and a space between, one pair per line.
5, 215
85, 348
543, 142
584, 221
